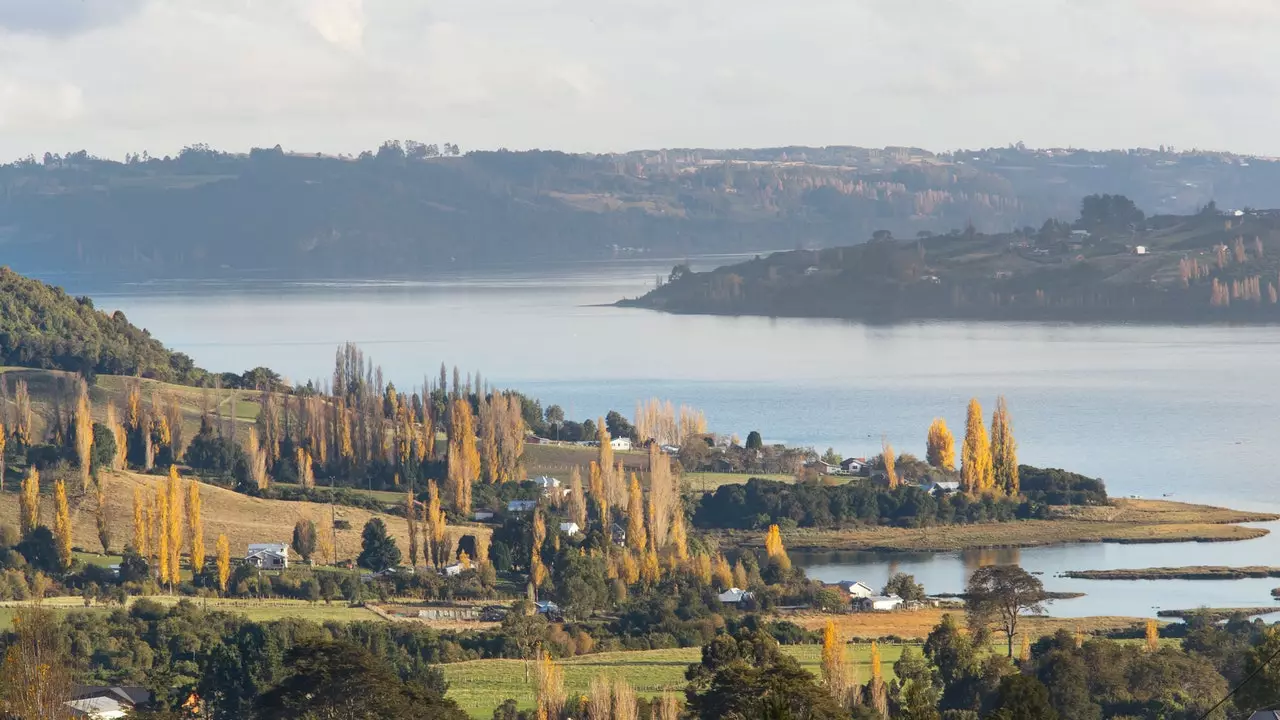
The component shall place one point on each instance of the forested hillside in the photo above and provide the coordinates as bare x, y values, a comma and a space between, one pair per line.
1112, 264
408, 208
41, 326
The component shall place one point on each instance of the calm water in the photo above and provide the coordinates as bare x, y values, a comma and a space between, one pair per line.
1191, 413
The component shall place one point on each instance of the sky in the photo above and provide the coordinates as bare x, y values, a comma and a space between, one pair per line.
117, 76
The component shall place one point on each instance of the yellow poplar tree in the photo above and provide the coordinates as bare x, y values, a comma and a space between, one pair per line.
464, 458
162, 532
577, 501
679, 543
100, 520
174, 528
29, 502
879, 694
1024, 654
599, 495
83, 420
890, 461
195, 526
1004, 450
722, 572
537, 571
411, 520
549, 694
774, 548
306, 478
62, 523
117, 432
434, 527
835, 667
3, 439
222, 558
139, 523
941, 447
637, 540
1153, 636
975, 471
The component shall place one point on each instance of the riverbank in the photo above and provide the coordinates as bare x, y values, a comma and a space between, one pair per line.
1199, 572
1123, 521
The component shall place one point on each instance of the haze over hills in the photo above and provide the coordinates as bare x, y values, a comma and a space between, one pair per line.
408, 209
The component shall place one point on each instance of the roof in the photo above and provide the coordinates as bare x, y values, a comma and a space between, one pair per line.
105, 708
265, 553
132, 694
1271, 713
570, 527
271, 547
733, 595
545, 481
522, 504
851, 583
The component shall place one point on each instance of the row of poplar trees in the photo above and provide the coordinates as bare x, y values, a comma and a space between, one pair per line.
989, 462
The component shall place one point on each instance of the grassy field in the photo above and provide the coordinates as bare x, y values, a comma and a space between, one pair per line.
916, 625
709, 481
1125, 521
480, 685
242, 518
257, 610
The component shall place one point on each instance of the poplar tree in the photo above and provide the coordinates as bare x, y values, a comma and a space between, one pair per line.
876, 688
22, 426
100, 518
464, 458
434, 527
664, 496
1024, 654
1153, 636
161, 543
29, 502
941, 446
488, 440
302, 458
835, 666
890, 459
195, 526
139, 523
537, 571
83, 424
975, 471
411, 518
173, 530
637, 541
510, 433
222, 559
577, 501
3, 441
679, 543
122, 440
605, 460
774, 548
324, 540
62, 524
722, 572
598, 494
1004, 450
549, 694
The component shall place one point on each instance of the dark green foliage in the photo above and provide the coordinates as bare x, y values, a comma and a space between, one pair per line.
1110, 211
338, 679
212, 454
304, 538
754, 441
1002, 594
378, 549
618, 426
747, 676
581, 585
760, 503
905, 587
43, 327
40, 549
104, 447
1052, 486
1023, 697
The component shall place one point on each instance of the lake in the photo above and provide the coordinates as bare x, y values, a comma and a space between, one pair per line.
1184, 412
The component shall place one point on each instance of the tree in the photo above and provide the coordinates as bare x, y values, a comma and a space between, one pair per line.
330, 679
35, 678
434, 528
173, 526
835, 665
754, 441
975, 472
411, 525
774, 548
549, 695
747, 676
890, 471
42, 550
1004, 450
100, 519
83, 432
1153, 636
1112, 211
304, 538
29, 502
904, 586
637, 539
378, 550
941, 452
222, 558
1002, 593
62, 524
918, 694
618, 426
1023, 697
577, 499
195, 526
537, 571
139, 523
464, 458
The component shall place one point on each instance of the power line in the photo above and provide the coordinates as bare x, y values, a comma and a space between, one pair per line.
1243, 682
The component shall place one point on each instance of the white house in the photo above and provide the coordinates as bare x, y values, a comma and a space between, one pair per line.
857, 588
97, 708
823, 468
268, 556
622, 443
1140, 250
480, 515
570, 528
733, 596
879, 603
453, 569
546, 483
521, 506
854, 466
945, 486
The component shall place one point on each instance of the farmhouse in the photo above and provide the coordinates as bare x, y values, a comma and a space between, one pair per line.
823, 468
943, 487
879, 603
570, 528
268, 556
733, 596
622, 443
857, 589
854, 466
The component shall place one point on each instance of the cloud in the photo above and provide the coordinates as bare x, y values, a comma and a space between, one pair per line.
118, 76
62, 18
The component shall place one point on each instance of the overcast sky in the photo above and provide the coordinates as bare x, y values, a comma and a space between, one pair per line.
114, 76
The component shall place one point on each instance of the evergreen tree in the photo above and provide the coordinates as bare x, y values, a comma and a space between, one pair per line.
378, 549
